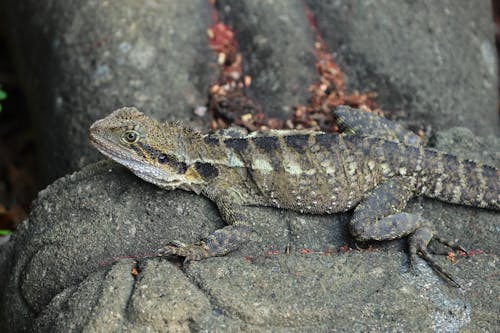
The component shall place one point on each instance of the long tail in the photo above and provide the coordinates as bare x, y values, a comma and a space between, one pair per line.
456, 180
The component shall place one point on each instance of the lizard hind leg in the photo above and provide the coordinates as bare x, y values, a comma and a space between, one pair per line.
379, 217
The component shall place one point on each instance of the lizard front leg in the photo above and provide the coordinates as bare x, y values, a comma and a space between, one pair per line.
379, 217
218, 243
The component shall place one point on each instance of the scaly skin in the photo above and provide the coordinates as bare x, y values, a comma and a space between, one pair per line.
305, 171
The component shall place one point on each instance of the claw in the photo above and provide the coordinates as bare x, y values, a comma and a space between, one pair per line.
162, 252
418, 245
169, 248
177, 243
435, 266
451, 244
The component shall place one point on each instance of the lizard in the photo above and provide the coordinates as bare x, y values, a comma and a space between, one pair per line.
374, 168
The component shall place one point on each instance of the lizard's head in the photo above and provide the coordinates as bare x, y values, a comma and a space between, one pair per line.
151, 150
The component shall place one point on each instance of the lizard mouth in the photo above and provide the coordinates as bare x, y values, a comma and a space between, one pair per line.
116, 153
143, 170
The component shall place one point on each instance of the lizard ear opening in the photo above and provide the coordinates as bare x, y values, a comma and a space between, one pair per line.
200, 172
192, 175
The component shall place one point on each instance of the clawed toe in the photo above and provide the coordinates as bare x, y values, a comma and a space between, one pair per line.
413, 264
434, 265
164, 251
418, 245
176, 243
451, 244
189, 251
170, 248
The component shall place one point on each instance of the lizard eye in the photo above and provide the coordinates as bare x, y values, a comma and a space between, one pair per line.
162, 158
130, 136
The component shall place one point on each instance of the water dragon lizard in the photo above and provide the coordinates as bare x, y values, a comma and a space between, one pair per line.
375, 168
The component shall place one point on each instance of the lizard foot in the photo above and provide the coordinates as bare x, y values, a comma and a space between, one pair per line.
218, 243
418, 246
451, 244
196, 251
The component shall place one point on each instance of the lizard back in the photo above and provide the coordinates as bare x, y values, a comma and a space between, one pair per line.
306, 171
318, 172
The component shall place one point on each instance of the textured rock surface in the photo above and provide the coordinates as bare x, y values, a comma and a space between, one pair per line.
431, 62
81, 60
70, 268
72, 265
278, 50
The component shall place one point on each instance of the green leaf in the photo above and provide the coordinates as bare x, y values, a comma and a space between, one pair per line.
3, 95
4, 232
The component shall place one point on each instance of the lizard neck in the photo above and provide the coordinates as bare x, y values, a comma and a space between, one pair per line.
213, 150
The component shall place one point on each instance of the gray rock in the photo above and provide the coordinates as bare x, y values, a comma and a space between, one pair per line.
280, 63
431, 62
81, 60
73, 262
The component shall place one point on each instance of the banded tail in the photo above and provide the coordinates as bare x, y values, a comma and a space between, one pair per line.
460, 181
